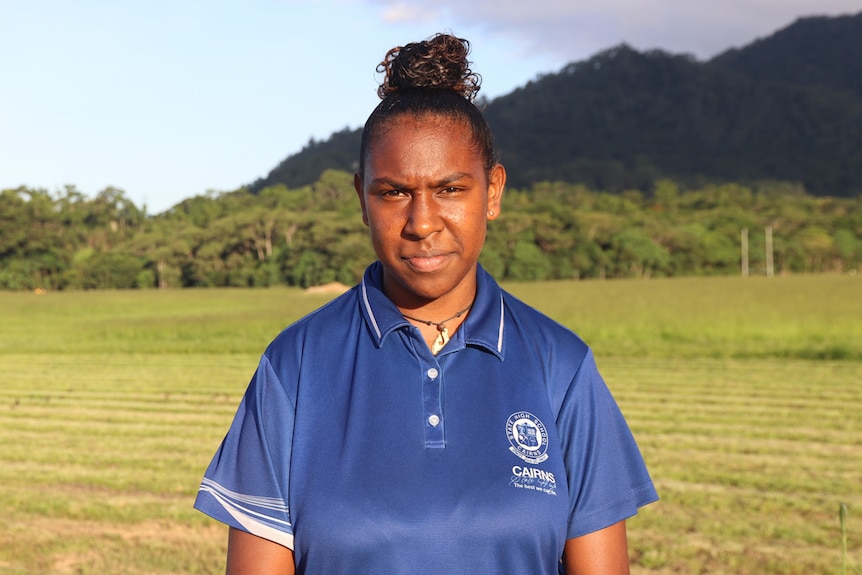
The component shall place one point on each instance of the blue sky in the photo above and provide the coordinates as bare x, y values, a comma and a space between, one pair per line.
167, 99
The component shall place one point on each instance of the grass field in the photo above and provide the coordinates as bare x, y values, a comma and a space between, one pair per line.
744, 395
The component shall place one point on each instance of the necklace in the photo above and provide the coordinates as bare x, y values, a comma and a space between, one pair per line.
443, 335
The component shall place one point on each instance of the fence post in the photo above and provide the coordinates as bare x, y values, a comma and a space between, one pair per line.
769, 265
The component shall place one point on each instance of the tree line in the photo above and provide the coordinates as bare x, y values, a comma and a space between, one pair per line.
314, 235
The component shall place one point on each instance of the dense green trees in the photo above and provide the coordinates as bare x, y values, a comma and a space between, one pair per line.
67, 240
314, 235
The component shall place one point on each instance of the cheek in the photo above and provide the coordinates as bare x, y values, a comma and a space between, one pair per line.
463, 217
383, 230
471, 222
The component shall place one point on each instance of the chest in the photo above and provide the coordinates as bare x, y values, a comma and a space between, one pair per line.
431, 461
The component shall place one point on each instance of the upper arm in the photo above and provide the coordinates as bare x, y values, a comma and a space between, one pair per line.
603, 552
249, 554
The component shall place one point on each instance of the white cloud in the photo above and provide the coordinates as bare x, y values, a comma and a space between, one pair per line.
570, 30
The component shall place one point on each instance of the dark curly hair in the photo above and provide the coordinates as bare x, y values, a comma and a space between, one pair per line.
430, 77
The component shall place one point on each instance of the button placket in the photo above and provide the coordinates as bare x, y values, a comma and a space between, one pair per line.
432, 391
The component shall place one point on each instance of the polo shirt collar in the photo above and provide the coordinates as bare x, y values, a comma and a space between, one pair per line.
484, 326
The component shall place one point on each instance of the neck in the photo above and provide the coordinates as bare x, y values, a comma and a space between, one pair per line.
428, 305
444, 328
441, 324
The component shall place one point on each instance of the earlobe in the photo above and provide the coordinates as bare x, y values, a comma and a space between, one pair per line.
357, 185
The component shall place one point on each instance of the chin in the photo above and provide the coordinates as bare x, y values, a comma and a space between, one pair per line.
425, 291
422, 288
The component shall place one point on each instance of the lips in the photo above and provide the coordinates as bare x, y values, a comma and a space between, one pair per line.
426, 263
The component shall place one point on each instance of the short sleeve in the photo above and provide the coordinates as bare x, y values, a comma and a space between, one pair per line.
246, 483
608, 480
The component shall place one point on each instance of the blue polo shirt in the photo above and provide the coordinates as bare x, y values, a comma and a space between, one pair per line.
364, 453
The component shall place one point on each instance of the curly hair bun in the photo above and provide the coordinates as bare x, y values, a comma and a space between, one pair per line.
439, 63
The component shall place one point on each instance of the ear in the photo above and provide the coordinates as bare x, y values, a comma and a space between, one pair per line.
357, 185
496, 183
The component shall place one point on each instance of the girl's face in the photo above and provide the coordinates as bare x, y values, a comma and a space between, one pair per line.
426, 198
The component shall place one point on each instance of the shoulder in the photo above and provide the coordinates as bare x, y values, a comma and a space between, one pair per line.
530, 324
320, 328
525, 327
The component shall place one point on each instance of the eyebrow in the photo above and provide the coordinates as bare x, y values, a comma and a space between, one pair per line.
445, 180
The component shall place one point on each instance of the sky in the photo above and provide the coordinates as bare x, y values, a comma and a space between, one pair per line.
169, 99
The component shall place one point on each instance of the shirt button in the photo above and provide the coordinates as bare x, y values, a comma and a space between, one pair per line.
434, 421
433, 373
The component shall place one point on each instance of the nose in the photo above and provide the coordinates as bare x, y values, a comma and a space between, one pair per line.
423, 218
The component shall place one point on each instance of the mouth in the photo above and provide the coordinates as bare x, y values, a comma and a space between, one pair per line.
426, 263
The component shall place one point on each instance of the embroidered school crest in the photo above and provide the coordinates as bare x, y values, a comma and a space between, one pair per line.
528, 437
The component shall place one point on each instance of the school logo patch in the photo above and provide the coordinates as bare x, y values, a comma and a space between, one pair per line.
528, 437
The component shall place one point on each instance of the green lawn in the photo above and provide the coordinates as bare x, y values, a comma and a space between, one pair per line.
744, 395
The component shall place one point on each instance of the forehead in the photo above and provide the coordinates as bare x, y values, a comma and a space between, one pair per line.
416, 144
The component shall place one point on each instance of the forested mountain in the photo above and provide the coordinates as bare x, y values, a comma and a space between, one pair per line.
815, 51
339, 152
787, 107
